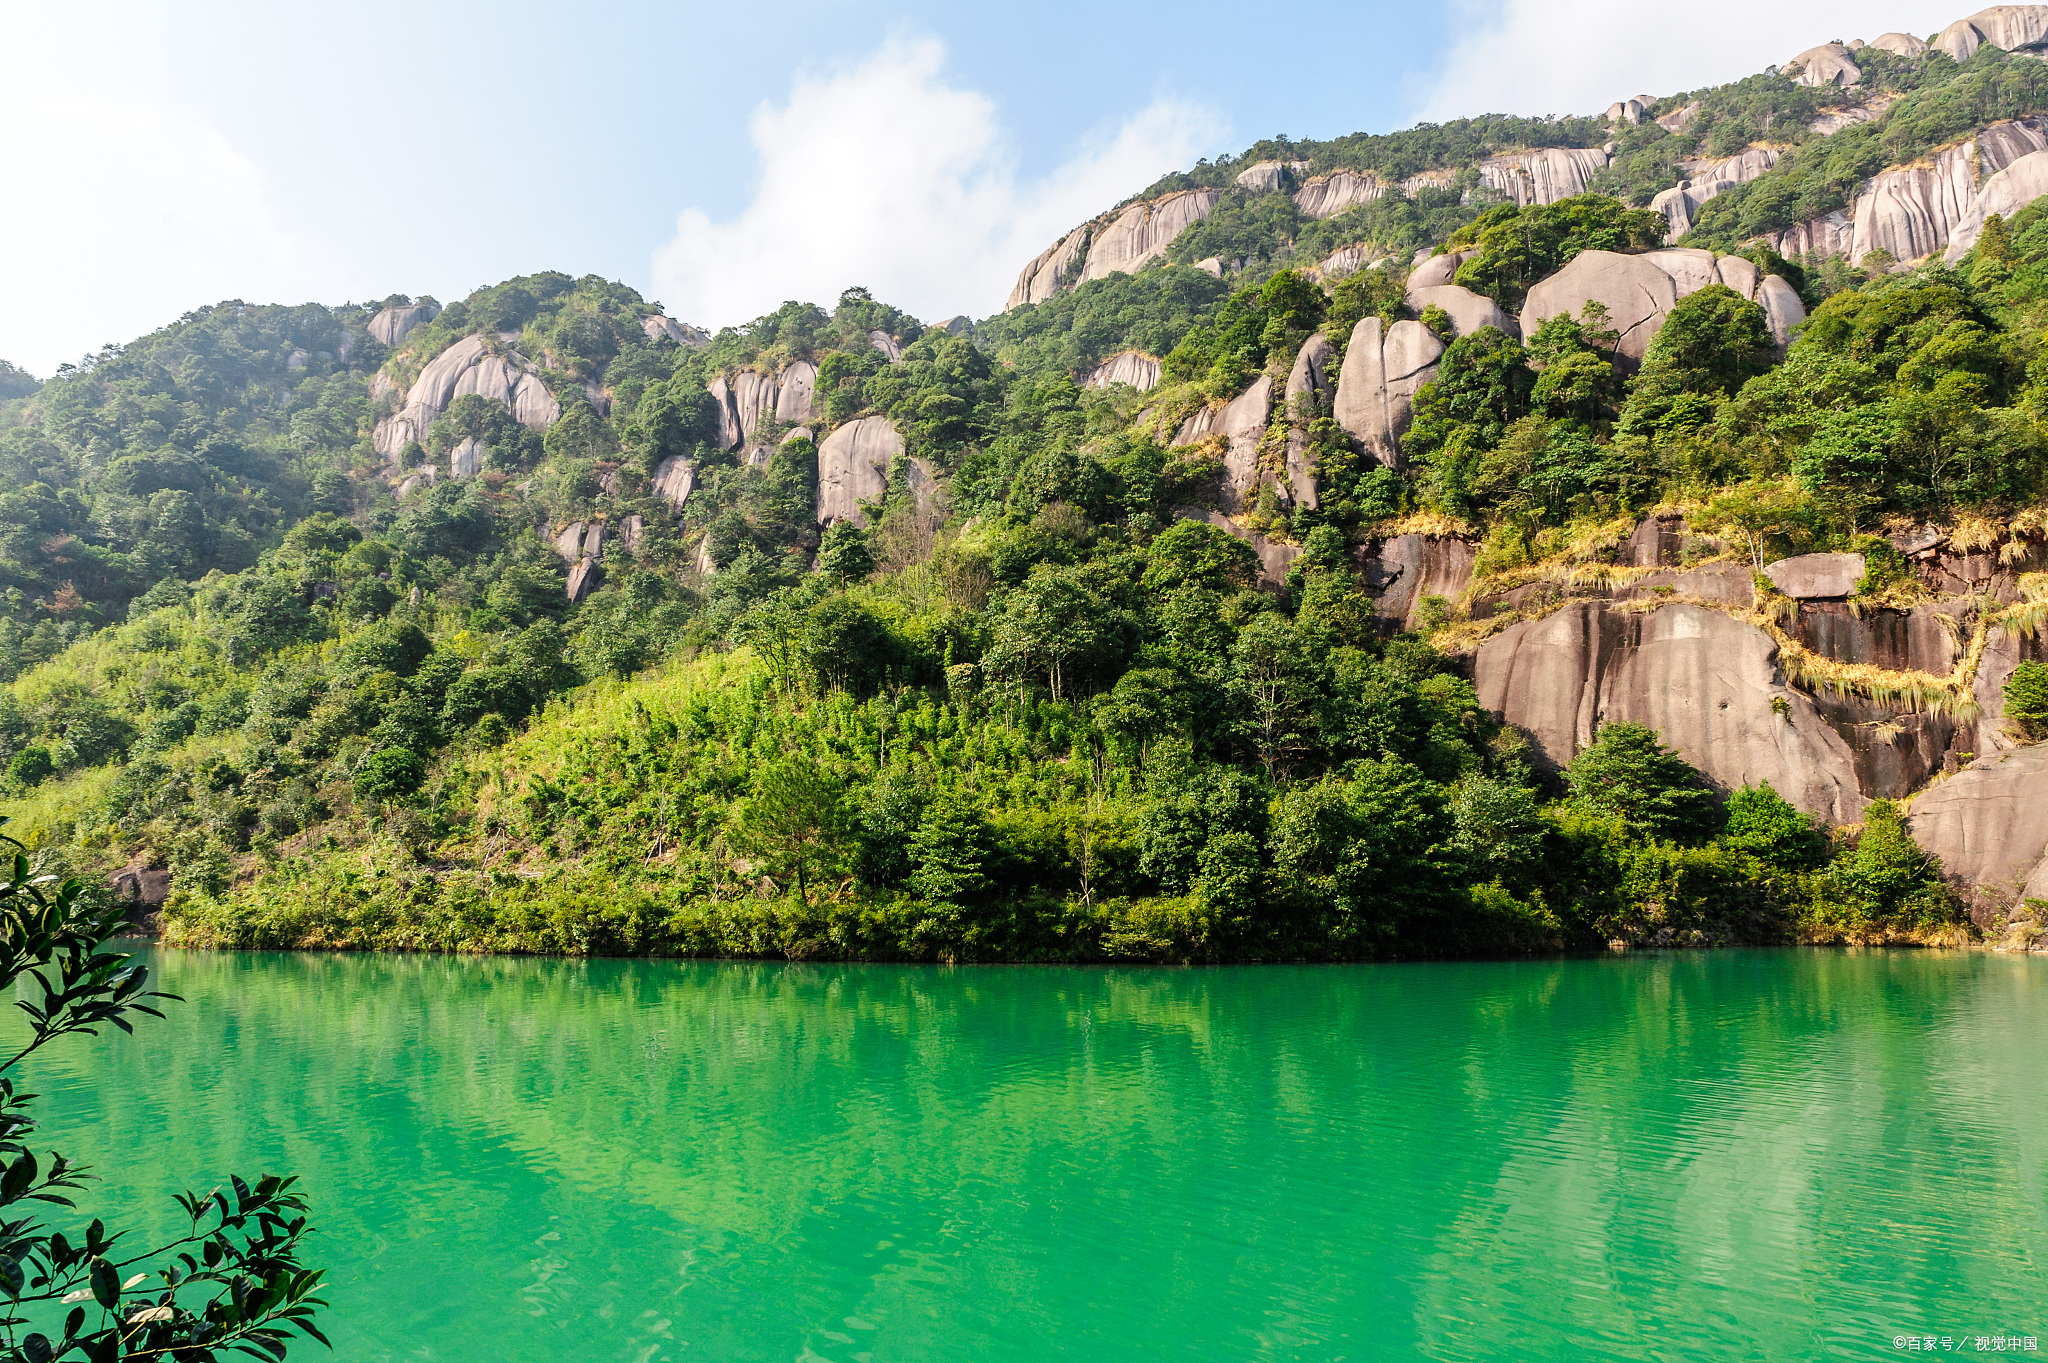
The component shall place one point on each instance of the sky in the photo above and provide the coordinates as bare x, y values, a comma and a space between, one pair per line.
718, 158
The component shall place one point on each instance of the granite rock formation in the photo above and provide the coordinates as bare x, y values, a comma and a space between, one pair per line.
1384, 367
468, 366
1328, 195
1306, 395
1989, 825
1143, 231
1639, 291
392, 325
1241, 423
853, 467
1132, 367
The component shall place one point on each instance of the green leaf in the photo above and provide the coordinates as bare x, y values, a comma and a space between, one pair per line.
11, 1276
106, 1284
36, 1349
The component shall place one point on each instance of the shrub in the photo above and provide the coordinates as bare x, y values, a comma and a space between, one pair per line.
1627, 771
2026, 700
389, 774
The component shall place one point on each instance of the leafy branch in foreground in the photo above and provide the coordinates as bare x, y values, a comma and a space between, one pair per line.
232, 1283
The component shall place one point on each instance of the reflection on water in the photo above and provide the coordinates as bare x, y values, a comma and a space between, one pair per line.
1746, 1154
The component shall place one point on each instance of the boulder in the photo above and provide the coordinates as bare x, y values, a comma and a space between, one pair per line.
392, 325
658, 328
2015, 28
1708, 683
568, 542
1052, 270
674, 479
1437, 271
2004, 650
1242, 424
1679, 119
1681, 203
1636, 293
798, 392
1142, 232
466, 367
1899, 44
1340, 262
887, 344
1629, 111
1817, 577
1989, 825
1828, 64
582, 579
853, 467
1132, 367
797, 433
753, 398
467, 459
1383, 370
730, 432
1306, 395
141, 885
1545, 176
959, 324
1210, 266
630, 532
1328, 195
1404, 569
1469, 311
1783, 308
297, 359
1269, 177
2005, 194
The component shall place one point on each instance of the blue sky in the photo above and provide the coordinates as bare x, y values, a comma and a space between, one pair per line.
720, 158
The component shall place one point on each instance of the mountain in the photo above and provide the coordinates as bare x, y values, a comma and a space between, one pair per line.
1503, 535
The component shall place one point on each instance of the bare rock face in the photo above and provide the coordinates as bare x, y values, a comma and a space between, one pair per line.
1307, 393
1639, 292
2015, 28
1681, 203
1705, 681
798, 395
392, 325
1436, 271
730, 433
1469, 311
1210, 266
630, 532
466, 460
2005, 194
1242, 424
589, 565
1828, 64
1899, 44
1269, 177
464, 368
674, 479
853, 467
753, 397
1629, 111
1054, 268
1142, 231
2004, 650
959, 324
1406, 568
682, 333
1132, 367
884, 342
1340, 262
1543, 177
797, 433
1328, 195
568, 542
1989, 825
1383, 370
1679, 119
1814, 577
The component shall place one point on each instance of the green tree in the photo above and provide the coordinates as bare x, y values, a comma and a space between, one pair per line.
795, 817
388, 774
1628, 772
1886, 880
2026, 700
1764, 824
231, 1283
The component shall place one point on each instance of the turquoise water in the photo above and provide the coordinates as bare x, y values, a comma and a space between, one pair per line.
1770, 1155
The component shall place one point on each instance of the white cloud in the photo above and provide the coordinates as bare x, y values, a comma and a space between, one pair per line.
121, 217
884, 175
1579, 56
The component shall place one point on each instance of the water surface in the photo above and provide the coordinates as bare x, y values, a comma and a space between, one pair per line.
1769, 1155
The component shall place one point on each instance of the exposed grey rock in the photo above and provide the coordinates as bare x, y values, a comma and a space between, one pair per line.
1307, 393
467, 459
704, 562
682, 333
1783, 310
630, 532
1406, 568
1636, 293
1054, 268
582, 579
1828, 64
1681, 203
1436, 271
1679, 119
381, 386
797, 433
1899, 44
1142, 231
923, 482
1133, 367
392, 325
853, 467
1469, 311
1543, 177
463, 368
674, 479
297, 359
796, 399
1382, 373
1211, 266
1629, 111
1705, 681
1242, 424
2015, 28
730, 432
1340, 262
568, 541
884, 342
754, 398
957, 325
1274, 557
1328, 195
2005, 194
1811, 577
1989, 825
1269, 177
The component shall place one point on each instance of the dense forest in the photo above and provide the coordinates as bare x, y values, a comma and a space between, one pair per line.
1030, 703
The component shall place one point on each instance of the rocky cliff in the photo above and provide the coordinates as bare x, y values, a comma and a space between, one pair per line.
480, 364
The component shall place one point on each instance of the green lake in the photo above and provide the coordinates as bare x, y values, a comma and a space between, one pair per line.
1743, 1154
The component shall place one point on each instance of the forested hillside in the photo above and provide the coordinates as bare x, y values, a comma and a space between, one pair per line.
1175, 613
